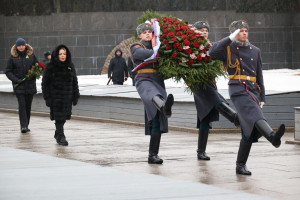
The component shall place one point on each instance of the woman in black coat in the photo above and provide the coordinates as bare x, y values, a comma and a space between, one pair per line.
60, 89
21, 61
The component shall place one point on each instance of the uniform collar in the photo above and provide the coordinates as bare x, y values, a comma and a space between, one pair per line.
240, 44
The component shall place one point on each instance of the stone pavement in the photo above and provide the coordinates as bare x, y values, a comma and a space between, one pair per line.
122, 172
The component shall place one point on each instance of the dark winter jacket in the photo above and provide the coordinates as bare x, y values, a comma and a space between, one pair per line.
117, 67
17, 67
131, 66
60, 86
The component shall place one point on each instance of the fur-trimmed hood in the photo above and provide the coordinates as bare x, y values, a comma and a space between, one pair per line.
14, 52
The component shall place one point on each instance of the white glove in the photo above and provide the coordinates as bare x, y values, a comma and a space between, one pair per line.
261, 104
155, 49
234, 34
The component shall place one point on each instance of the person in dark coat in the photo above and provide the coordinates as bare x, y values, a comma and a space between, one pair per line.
209, 103
151, 88
47, 58
20, 62
246, 89
60, 89
117, 68
130, 68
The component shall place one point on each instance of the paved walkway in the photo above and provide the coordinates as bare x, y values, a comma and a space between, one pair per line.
114, 164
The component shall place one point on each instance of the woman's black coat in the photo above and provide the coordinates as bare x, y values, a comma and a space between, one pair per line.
60, 86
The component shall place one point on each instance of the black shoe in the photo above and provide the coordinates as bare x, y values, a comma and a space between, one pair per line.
277, 136
242, 169
154, 159
23, 130
167, 109
28, 130
61, 139
203, 156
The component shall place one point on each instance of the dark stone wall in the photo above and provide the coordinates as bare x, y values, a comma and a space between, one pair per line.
92, 35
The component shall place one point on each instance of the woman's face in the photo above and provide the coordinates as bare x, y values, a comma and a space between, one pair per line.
62, 55
21, 48
204, 32
146, 35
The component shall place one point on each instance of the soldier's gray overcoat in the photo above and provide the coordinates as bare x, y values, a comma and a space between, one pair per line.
205, 101
149, 85
244, 94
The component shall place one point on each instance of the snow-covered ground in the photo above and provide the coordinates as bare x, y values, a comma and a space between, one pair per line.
280, 80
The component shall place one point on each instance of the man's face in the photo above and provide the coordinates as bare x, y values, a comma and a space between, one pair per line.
242, 36
146, 35
118, 53
204, 32
21, 48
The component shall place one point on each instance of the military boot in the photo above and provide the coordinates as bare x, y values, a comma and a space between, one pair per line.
242, 158
274, 137
61, 138
228, 113
164, 106
153, 157
202, 142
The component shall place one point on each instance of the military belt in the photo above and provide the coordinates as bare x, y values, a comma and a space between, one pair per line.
147, 71
243, 77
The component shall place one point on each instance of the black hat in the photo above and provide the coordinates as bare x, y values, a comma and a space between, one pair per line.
20, 41
201, 24
238, 25
142, 27
47, 53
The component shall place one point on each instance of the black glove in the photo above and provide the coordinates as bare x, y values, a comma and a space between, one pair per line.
48, 102
75, 101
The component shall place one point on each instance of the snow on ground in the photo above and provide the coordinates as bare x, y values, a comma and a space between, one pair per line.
281, 80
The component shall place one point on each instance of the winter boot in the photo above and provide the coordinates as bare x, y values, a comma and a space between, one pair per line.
164, 106
242, 158
153, 157
263, 128
23, 130
61, 139
202, 142
228, 113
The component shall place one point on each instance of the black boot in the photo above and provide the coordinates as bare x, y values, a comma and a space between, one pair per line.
61, 139
263, 128
202, 142
23, 130
153, 157
228, 113
242, 158
164, 106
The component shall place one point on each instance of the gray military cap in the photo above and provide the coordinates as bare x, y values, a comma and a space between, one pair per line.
238, 25
142, 27
201, 24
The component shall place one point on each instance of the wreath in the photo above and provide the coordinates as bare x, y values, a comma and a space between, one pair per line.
183, 53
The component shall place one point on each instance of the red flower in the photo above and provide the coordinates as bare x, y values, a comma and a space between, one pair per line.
41, 65
165, 26
178, 33
176, 45
165, 30
163, 35
183, 36
198, 40
170, 22
165, 42
173, 39
203, 50
177, 28
186, 42
199, 57
189, 51
170, 34
180, 48
206, 59
195, 44
168, 47
174, 55
191, 62
188, 32
192, 36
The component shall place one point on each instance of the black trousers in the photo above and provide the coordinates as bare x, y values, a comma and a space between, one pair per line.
24, 101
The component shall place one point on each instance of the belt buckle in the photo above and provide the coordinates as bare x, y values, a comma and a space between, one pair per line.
248, 78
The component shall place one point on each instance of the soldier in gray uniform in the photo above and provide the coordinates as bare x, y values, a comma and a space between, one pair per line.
246, 89
209, 103
151, 88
